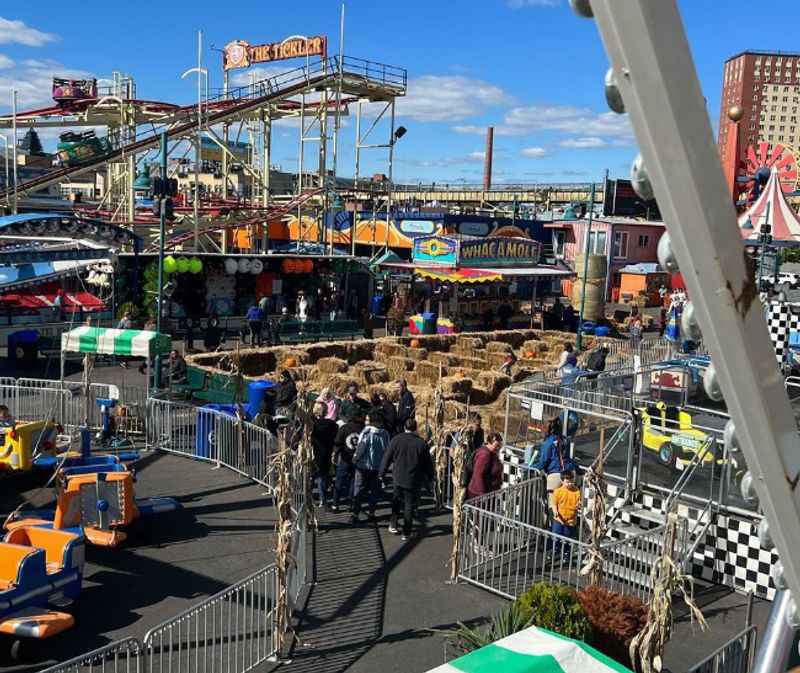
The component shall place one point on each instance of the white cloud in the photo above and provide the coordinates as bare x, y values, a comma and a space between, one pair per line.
245, 77
17, 32
444, 162
477, 156
33, 81
589, 142
533, 152
519, 4
5, 62
449, 98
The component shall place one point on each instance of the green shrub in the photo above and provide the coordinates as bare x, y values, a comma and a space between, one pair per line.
555, 608
507, 621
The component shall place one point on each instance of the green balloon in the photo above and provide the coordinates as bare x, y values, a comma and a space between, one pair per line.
183, 265
195, 265
170, 264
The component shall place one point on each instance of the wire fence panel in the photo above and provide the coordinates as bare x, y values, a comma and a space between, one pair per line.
735, 656
173, 427
122, 656
628, 563
231, 632
523, 501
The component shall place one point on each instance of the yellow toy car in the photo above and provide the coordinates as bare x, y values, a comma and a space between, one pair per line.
19, 441
668, 430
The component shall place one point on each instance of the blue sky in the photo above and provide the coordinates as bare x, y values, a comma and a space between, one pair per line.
531, 68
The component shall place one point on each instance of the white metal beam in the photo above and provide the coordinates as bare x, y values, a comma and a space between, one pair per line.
649, 52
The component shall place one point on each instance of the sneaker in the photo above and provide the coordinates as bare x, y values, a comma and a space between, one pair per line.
334, 508
124, 365
404, 538
393, 530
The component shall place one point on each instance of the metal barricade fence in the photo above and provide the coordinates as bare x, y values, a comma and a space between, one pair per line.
523, 501
735, 656
628, 562
121, 656
173, 427
232, 631
35, 404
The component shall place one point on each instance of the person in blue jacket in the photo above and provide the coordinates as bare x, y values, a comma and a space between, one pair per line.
553, 457
255, 318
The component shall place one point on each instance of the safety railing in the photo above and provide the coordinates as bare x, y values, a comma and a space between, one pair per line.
121, 656
213, 436
735, 656
523, 501
628, 562
35, 404
232, 631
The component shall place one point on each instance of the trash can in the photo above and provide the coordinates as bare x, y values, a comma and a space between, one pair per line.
23, 345
587, 327
375, 306
256, 392
204, 441
429, 323
602, 331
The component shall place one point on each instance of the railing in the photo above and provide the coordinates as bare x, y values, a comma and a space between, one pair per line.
735, 656
523, 502
213, 436
122, 656
232, 631
628, 562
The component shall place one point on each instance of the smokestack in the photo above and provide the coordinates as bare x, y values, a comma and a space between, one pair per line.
487, 159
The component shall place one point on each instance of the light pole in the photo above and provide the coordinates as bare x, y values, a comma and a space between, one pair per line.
201, 72
579, 339
162, 223
14, 138
5, 175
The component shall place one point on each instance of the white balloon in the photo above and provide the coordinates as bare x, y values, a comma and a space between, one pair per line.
256, 266
231, 266
244, 265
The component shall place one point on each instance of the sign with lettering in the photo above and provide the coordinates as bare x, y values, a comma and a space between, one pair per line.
499, 252
435, 250
240, 54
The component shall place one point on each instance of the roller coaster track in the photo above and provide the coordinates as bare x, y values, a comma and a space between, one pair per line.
259, 217
244, 99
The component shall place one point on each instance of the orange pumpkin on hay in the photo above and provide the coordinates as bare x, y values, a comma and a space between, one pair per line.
416, 343
290, 362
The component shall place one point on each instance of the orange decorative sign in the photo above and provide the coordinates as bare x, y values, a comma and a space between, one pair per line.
240, 54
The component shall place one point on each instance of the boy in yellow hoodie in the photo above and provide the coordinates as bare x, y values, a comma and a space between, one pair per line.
566, 507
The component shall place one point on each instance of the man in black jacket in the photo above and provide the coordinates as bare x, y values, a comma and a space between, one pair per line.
323, 437
344, 447
411, 464
406, 405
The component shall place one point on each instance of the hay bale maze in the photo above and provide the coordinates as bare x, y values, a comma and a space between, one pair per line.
468, 365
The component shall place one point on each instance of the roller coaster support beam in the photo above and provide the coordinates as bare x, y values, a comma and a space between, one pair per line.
162, 225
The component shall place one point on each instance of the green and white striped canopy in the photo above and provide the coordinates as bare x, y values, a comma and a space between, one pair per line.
534, 650
135, 342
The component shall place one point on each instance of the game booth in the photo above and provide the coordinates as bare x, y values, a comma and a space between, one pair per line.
467, 284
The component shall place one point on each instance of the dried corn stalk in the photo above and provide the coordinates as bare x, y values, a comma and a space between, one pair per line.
458, 454
439, 448
594, 480
647, 648
305, 457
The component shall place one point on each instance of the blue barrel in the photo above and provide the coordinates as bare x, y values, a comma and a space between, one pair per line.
256, 392
602, 331
23, 344
375, 305
587, 327
429, 323
205, 427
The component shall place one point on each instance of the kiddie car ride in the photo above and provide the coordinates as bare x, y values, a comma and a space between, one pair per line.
18, 443
668, 430
40, 573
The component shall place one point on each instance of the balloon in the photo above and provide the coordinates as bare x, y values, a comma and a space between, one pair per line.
170, 265
244, 265
183, 265
256, 267
195, 265
231, 266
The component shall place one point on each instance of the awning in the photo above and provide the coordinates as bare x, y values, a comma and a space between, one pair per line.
34, 299
137, 343
460, 275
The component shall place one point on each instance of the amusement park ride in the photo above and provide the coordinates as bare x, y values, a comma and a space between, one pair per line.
318, 94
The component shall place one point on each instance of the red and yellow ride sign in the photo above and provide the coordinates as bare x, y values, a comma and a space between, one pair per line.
240, 54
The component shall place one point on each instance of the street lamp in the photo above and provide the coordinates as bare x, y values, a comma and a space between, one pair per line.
6, 179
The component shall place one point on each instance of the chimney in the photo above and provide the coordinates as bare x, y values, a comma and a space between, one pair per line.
487, 160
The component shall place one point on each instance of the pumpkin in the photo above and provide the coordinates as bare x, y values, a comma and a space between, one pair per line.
290, 362
458, 375
530, 355
416, 343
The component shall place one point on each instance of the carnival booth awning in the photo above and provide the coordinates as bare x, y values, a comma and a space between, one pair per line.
460, 275
39, 299
534, 650
773, 209
124, 342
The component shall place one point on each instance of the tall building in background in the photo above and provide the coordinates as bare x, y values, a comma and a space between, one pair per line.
766, 86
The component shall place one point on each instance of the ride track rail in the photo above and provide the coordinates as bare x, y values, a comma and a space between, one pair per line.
289, 83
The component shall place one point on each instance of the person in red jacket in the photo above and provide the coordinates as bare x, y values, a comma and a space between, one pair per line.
487, 469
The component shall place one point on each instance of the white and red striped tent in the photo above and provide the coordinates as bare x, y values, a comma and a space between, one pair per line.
771, 208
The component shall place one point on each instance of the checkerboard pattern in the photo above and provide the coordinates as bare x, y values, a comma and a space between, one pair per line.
781, 320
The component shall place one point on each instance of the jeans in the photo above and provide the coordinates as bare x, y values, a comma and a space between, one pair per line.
565, 531
367, 485
323, 481
255, 332
404, 499
343, 486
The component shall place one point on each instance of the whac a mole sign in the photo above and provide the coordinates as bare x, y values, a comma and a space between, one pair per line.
489, 252
240, 54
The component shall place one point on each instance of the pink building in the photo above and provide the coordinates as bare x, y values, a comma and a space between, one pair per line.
623, 241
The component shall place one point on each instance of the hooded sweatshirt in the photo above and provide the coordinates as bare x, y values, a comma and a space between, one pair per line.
372, 444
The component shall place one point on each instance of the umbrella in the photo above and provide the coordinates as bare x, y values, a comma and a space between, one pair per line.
534, 650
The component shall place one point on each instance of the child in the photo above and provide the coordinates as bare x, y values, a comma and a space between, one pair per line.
6, 419
508, 362
566, 507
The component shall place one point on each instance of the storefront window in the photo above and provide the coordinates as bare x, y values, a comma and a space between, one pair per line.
597, 243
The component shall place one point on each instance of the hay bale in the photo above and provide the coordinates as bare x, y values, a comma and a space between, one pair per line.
494, 383
399, 366
429, 372
317, 352
418, 354
494, 360
332, 365
447, 359
498, 347
391, 349
369, 371
468, 342
452, 385
340, 382
356, 351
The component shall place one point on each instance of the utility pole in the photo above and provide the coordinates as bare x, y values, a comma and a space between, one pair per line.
162, 223
579, 340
